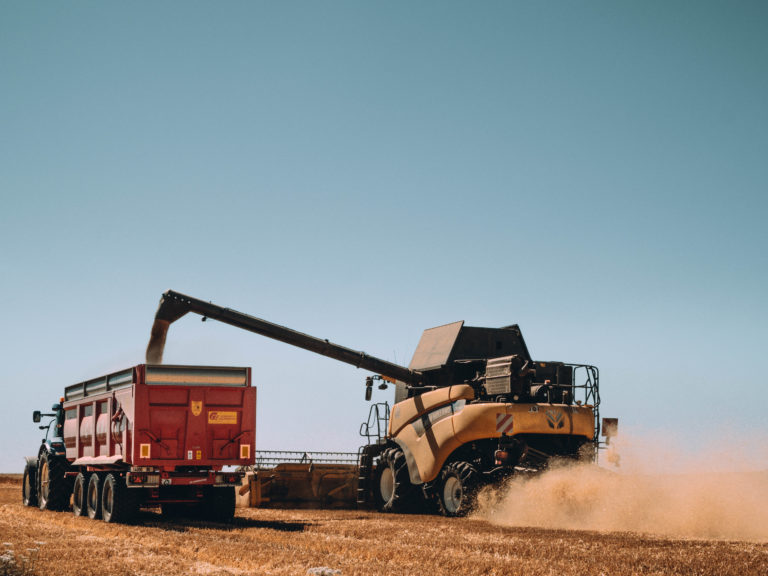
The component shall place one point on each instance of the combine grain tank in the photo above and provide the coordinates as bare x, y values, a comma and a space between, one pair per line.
148, 435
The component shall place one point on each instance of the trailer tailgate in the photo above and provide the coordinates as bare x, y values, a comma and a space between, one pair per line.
193, 416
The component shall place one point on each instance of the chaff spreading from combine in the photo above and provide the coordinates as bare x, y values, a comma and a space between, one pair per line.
693, 502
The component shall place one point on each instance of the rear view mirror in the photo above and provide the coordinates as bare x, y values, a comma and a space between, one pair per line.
36, 416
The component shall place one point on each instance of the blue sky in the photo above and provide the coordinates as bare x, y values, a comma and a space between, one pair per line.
594, 171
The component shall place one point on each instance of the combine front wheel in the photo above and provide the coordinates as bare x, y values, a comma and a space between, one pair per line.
392, 483
458, 489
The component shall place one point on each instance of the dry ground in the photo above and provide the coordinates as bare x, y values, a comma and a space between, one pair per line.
361, 543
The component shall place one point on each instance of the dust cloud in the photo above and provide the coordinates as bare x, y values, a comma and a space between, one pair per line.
703, 496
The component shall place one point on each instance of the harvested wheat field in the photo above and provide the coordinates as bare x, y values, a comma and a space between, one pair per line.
344, 542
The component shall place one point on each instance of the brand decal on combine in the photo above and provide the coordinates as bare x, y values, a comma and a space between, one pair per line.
197, 407
431, 418
219, 417
555, 419
504, 423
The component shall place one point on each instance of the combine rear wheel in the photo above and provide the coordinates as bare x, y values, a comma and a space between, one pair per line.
118, 504
28, 485
392, 486
53, 488
458, 489
79, 506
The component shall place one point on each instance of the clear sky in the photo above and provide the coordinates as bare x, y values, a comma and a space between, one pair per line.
596, 172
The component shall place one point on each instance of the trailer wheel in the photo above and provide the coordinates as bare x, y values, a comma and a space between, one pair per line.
219, 504
53, 487
93, 497
458, 488
118, 504
28, 486
79, 492
392, 486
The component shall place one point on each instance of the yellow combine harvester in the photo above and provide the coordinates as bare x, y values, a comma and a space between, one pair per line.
472, 408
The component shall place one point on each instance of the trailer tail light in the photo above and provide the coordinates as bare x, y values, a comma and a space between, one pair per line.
228, 479
501, 457
245, 451
143, 479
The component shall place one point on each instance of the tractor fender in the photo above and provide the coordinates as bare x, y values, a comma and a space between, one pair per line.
54, 447
31, 461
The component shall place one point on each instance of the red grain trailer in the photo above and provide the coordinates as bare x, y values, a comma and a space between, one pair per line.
149, 435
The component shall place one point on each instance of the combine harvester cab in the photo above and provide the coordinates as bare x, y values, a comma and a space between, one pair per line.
146, 436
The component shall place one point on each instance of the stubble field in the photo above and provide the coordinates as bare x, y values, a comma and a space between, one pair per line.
352, 542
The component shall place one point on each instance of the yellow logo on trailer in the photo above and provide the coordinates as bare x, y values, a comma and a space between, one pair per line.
220, 417
197, 407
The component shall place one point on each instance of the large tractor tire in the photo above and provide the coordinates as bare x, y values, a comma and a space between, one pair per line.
93, 496
457, 490
53, 487
29, 485
219, 504
118, 503
79, 495
392, 488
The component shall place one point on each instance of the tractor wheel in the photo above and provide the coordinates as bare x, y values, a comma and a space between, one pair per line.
118, 503
458, 488
53, 487
392, 486
79, 506
93, 497
28, 486
219, 504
